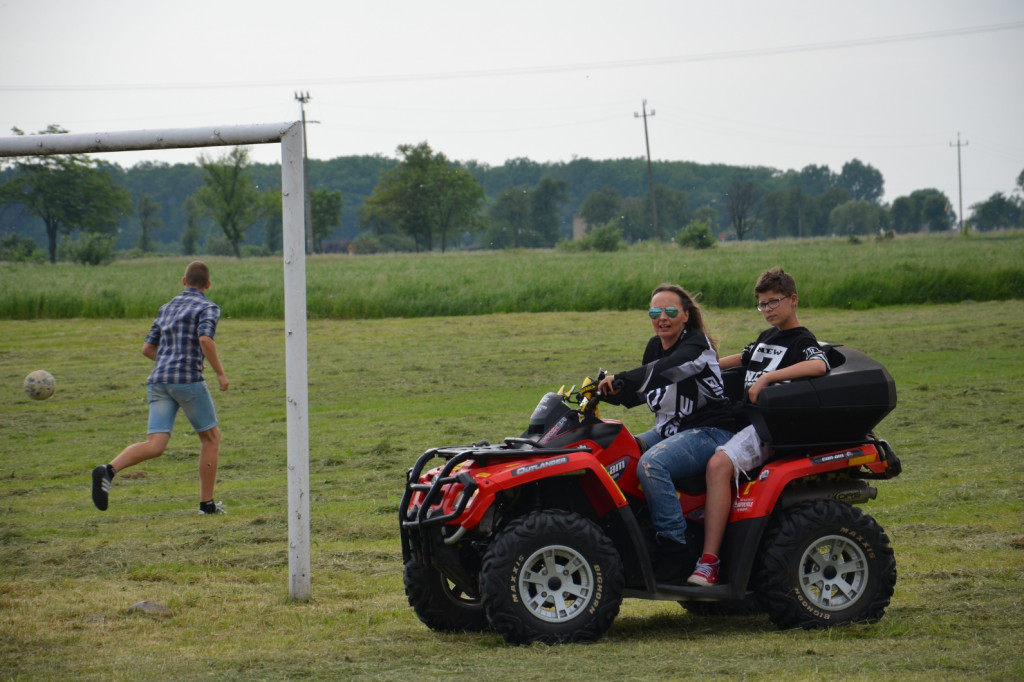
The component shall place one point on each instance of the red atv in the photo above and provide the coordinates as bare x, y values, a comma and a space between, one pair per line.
541, 537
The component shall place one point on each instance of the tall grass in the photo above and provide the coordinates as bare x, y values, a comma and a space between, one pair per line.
832, 273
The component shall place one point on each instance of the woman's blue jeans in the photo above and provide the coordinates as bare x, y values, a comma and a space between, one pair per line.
667, 460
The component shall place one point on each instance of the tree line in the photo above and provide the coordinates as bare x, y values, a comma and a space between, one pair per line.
422, 200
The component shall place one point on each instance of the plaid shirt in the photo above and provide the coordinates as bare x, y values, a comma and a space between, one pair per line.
176, 332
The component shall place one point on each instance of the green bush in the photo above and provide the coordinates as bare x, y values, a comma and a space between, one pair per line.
397, 243
88, 249
696, 235
218, 246
255, 251
606, 237
17, 249
366, 243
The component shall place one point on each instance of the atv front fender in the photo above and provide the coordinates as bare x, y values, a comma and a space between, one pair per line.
601, 490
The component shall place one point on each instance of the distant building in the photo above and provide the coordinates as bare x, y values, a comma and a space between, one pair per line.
579, 226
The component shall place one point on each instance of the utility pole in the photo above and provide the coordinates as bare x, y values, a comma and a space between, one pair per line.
960, 179
650, 174
302, 98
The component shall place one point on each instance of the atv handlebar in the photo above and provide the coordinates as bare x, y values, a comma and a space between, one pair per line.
588, 396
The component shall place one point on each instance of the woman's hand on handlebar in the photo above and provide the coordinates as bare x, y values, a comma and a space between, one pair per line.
608, 386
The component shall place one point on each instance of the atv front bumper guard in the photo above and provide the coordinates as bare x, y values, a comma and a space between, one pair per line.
427, 512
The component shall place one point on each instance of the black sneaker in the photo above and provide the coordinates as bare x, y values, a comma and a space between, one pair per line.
217, 508
101, 480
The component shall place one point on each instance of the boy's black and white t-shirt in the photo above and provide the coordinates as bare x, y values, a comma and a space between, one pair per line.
776, 349
772, 351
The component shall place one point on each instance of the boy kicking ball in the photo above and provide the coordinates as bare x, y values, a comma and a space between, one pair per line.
180, 342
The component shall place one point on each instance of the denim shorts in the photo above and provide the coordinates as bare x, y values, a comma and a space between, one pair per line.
194, 399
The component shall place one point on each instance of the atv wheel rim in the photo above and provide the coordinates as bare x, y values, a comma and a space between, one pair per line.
833, 573
556, 583
457, 595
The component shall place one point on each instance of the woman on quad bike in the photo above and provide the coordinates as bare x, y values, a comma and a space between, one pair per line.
681, 382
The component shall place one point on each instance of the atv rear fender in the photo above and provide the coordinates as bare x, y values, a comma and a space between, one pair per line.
777, 482
842, 474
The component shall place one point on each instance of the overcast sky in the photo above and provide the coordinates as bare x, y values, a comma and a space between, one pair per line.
775, 83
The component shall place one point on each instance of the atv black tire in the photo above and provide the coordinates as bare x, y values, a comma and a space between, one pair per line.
825, 563
551, 576
439, 603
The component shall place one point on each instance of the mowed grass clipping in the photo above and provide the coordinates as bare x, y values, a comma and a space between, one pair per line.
381, 392
832, 273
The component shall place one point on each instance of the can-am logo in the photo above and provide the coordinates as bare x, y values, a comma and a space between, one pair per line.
836, 456
617, 468
528, 468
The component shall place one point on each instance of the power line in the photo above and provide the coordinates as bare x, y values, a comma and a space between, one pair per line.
527, 71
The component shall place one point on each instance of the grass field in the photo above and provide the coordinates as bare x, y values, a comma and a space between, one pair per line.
382, 391
833, 273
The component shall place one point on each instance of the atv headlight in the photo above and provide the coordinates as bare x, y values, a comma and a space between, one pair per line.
457, 504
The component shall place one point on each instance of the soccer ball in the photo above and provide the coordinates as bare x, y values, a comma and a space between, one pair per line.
40, 385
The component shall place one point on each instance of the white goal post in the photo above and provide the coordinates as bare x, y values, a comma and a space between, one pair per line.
293, 190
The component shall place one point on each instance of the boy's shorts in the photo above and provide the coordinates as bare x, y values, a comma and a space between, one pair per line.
194, 400
746, 450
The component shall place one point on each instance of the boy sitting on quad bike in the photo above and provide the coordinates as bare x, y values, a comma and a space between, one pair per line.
784, 352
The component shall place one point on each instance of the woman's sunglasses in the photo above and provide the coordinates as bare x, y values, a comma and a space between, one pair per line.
655, 313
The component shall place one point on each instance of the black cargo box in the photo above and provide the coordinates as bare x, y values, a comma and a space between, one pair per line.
839, 408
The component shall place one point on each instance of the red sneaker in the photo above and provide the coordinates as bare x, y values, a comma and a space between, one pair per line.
705, 574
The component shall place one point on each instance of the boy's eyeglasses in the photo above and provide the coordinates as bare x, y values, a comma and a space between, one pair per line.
770, 304
655, 313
